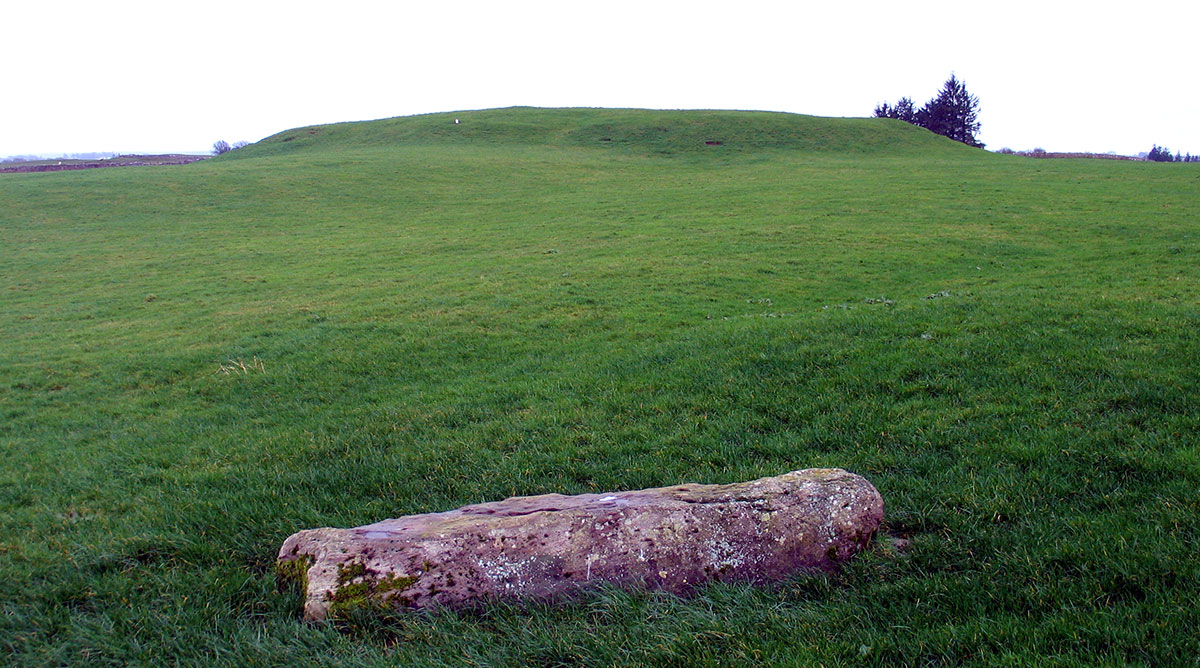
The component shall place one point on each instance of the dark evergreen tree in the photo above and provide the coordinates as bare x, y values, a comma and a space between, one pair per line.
1159, 154
953, 113
902, 110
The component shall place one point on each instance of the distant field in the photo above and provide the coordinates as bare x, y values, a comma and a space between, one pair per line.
70, 164
346, 323
1055, 154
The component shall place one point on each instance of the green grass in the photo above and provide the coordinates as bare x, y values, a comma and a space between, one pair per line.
432, 315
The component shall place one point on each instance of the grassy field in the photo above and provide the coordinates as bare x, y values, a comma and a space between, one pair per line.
347, 323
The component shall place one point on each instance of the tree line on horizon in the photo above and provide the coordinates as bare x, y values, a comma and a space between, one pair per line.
952, 113
1162, 154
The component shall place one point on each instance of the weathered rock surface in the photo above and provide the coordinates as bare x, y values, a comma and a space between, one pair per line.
670, 538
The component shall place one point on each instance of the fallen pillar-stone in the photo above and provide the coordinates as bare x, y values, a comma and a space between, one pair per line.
668, 538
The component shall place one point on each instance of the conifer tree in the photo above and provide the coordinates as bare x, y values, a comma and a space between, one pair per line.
1159, 154
902, 110
953, 113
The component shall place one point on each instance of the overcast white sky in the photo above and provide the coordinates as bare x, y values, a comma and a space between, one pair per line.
133, 76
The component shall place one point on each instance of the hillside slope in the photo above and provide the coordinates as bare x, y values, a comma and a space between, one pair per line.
629, 130
407, 316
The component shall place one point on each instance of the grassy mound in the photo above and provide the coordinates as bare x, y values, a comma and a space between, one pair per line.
387, 318
634, 131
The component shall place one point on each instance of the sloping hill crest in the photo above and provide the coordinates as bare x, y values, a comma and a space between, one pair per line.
635, 131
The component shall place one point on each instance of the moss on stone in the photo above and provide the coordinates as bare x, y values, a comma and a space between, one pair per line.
393, 582
831, 553
359, 587
290, 572
350, 571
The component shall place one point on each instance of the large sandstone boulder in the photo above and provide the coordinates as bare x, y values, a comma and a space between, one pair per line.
670, 538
